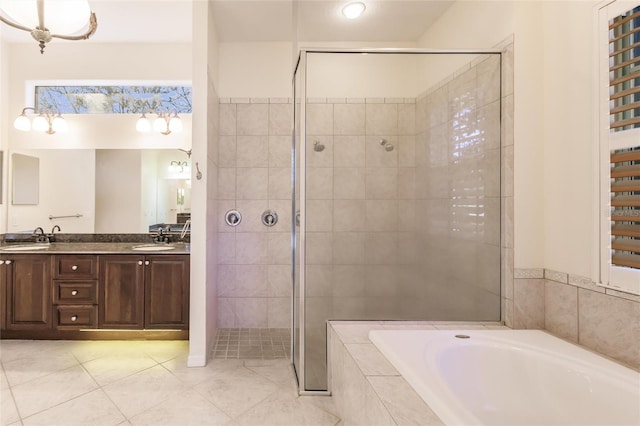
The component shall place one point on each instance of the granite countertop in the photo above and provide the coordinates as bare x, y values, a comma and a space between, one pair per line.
96, 248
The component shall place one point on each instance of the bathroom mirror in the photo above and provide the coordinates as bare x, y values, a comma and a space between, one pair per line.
105, 191
25, 179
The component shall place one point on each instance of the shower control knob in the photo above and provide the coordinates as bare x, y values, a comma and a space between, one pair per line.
233, 218
269, 218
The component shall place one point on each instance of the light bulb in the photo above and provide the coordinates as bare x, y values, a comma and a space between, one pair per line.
143, 125
160, 124
353, 10
175, 124
40, 124
59, 124
22, 123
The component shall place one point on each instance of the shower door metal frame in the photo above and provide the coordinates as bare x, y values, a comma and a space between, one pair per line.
301, 181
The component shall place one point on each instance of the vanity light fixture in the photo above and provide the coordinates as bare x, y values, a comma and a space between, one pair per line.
353, 10
165, 123
45, 121
178, 167
64, 19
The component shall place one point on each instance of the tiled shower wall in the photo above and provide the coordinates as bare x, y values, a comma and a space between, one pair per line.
254, 261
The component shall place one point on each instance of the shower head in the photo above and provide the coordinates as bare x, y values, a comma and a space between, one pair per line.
387, 146
317, 146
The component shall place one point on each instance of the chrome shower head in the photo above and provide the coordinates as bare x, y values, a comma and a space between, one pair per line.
317, 146
387, 146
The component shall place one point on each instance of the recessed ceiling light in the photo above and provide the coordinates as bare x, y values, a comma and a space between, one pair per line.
353, 10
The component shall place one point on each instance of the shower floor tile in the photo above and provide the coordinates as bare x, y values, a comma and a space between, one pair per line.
252, 343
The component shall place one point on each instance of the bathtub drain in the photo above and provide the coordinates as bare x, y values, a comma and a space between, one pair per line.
463, 336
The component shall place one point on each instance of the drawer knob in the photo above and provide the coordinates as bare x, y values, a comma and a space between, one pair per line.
7, 262
139, 262
74, 292
146, 262
1, 262
74, 268
74, 318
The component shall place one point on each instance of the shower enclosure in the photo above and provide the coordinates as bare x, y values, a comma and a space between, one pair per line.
396, 175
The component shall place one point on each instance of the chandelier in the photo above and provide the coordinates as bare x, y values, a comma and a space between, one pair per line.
46, 20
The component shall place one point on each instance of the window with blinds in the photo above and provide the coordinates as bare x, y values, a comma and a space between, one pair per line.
623, 149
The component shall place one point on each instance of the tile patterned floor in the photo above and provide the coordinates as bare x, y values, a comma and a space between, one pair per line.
147, 383
252, 343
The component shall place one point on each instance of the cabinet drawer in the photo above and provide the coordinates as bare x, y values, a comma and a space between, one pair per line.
75, 292
76, 266
77, 316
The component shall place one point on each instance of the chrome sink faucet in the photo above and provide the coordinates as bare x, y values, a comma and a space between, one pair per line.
161, 237
52, 236
41, 237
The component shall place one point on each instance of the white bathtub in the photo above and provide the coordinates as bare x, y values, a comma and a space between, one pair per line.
512, 377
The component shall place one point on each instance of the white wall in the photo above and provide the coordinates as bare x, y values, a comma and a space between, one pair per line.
569, 75
255, 70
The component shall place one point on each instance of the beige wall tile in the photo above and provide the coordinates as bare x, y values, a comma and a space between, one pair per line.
226, 248
406, 119
279, 249
227, 151
252, 151
279, 183
251, 281
610, 325
349, 183
278, 312
251, 248
381, 248
252, 183
227, 123
370, 361
319, 183
319, 280
279, 151
561, 310
319, 215
349, 119
320, 119
251, 211
528, 299
251, 312
381, 183
348, 215
349, 248
349, 151
406, 151
280, 119
348, 281
252, 119
319, 248
279, 280
226, 183
381, 119
403, 403
381, 215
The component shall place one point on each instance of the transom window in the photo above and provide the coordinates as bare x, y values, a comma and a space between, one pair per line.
71, 99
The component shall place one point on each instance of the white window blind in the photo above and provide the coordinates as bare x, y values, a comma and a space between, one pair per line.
621, 148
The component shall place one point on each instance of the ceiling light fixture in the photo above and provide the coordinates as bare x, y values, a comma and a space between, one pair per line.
353, 10
64, 19
165, 123
48, 122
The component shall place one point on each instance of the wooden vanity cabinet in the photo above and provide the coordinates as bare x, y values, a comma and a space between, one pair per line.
150, 292
75, 291
27, 282
122, 293
166, 287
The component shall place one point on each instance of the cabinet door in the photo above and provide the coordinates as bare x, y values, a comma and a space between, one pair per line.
28, 289
167, 292
121, 292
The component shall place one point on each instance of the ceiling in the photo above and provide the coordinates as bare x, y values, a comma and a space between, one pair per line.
166, 21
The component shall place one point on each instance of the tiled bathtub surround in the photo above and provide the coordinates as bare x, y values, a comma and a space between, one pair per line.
255, 175
575, 309
365, 387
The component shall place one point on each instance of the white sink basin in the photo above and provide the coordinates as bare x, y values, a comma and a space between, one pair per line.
29, 247
153, 247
